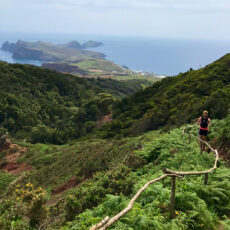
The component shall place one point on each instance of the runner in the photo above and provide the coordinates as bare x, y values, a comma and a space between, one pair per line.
205, 126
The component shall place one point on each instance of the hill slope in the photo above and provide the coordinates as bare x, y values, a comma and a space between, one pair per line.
175, 100
197, 206
75, 185
53, 107
84, 181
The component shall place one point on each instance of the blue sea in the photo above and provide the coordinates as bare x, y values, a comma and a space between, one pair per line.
165, 57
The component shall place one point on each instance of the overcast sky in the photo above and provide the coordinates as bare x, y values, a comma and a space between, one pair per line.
150, 18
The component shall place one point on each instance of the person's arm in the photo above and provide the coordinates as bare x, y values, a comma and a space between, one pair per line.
209, 125
198, 121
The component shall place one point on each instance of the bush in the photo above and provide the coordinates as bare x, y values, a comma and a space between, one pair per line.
25, 209
44, 134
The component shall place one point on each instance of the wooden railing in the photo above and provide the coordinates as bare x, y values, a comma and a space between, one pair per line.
107, 221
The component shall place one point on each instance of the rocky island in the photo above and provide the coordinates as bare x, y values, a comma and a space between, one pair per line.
75, 58
48, 52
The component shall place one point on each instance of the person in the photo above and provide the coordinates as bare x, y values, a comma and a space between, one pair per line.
205, 126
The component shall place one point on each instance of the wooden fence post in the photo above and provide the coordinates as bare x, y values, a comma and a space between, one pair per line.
206, 178
173, 190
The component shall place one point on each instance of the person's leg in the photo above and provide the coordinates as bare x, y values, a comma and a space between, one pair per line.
204, 145
201, 143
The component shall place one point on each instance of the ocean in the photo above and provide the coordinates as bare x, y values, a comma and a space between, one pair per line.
165, 57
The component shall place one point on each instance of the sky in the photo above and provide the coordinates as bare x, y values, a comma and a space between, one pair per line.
199, 19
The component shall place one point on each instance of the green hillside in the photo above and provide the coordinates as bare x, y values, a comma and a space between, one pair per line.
198, 206
47, 106
122, 88
77, 185
175, 100
86, 177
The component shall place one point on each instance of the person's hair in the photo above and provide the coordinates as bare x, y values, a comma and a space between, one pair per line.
205, 112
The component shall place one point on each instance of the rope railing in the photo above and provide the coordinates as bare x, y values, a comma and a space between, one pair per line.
107, 221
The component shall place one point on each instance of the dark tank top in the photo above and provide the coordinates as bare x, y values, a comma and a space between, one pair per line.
204, 123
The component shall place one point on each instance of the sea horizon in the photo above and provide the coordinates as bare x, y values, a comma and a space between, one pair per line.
161, 56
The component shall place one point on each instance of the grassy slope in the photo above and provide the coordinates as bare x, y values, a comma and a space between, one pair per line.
108, 69
197, 206
119, 169
56, 164
104, 69
95, 64
117, 165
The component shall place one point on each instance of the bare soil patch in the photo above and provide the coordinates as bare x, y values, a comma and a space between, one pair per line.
71, 183
104, 119
14, 152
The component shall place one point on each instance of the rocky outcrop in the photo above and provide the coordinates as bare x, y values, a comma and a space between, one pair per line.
21, 51
8, 46
74, 44
85, 45
91, 44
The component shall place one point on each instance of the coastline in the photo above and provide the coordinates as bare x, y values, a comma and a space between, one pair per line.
162, 57
7, 56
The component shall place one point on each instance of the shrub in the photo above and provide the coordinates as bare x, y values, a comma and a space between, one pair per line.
26, 203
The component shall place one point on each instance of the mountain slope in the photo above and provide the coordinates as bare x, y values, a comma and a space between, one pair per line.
48, 106
198, 206
175, 100
84, 181
76, 185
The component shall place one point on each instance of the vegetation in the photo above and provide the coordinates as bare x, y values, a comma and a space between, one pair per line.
122, 88
75, 185
46, 106
99, 64
26, 200
106, 70
50, 107
197, 206
174, 101
107, 173
5, 179
70, 58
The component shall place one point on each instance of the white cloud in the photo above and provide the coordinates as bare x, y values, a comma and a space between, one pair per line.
166, 18
148, 4
198, 5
